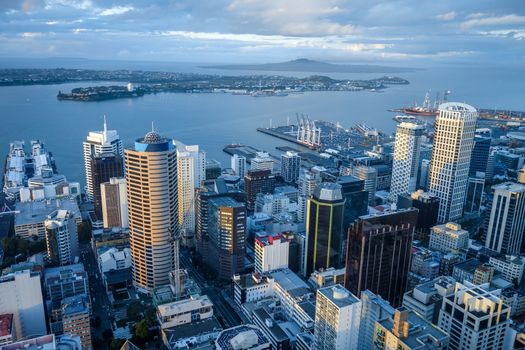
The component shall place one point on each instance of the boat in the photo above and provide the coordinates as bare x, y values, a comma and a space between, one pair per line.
428, 109
405, 118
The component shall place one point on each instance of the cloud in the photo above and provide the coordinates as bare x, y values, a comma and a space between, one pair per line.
518, 34
116, 10
31, 35
493, 21
449, 16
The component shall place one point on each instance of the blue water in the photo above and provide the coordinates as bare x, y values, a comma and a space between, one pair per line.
213, 120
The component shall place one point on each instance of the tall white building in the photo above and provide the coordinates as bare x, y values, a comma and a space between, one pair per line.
191, 171
21, 295
369, 175
337, 318
373, 308
97, 143
151, 176
61, 237
405, 165
307, 182
238, 164
448, 237
474, 317
262, 161
507, 218
290, 166
114, 203
271, 253
455, 127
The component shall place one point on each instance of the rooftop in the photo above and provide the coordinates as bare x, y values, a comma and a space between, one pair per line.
241, 337
456, 107
37, 211
338, 295
45, 342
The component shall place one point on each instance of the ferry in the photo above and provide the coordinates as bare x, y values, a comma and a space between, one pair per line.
405, 118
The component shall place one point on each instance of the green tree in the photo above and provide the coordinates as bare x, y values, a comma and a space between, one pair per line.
84, 232
141, 330
134, 311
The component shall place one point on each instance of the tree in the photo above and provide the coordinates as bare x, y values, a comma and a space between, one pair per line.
84, 232
141, 330
134, 310
107, 335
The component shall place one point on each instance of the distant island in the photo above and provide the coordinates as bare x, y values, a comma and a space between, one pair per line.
140, 83
307, 65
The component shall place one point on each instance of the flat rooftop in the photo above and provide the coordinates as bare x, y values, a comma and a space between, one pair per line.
37, 211
338, 295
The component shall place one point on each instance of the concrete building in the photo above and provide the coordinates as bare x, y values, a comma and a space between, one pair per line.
337, 317
151, 176
262, 161
21, 296
521, 175
408, 331
507, 219
271, 253
474, 317
405, 166
7, 329
290, 166
31, 216
379, 252
451, 154
373, 308
99, 142
76, 319
327, 278
114, 203
369, 176
227, 236
238, 165
61, 237
46, 342
115, 268
243, 337
448, 237
251, 287
185, 311
307, 182
191, 171
267, 319
426, 298
511, 267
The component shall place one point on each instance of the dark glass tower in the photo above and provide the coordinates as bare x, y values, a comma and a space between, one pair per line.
378, 254
480, 154
324, 228
257, 181
104, 167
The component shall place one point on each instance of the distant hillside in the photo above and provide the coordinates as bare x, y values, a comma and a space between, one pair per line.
306, 65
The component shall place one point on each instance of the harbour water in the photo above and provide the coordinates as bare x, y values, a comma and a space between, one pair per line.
213, 120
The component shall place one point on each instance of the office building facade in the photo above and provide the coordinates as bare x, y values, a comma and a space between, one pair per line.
104, 166
451, 153
238, 165
151, 176
290, 166
257, 181
114, 203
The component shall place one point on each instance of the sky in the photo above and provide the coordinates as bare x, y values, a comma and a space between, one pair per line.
397, 32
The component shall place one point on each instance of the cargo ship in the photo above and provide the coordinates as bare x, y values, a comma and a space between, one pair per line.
428, 109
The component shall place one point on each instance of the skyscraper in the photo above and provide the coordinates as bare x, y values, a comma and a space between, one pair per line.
238, 164
452, 148
475, 190
507, 218
98, 142
474, 317
257, 181
191, 171
324, 228
290, 165
405, 165
151, 176
369, 175
428, 206
378, 254
114, 203
227, 235
61, 237
337, 318
104, 166
307, 182
480, 154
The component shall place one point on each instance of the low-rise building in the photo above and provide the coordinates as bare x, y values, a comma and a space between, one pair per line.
326, 278
115, 267
271, 252
407, 330
448, 237
510, 266
180, 312
243, 337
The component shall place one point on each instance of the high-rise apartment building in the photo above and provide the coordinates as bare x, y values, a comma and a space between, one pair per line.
114, 203
238, 165
507, 219
379, 252
99, 142
324, 228
451, 153
191, 171
21, 295
262, 161
227, 236
61, 237
474, 317
337, 318
257, 181
290, 166
151, 176
104, 166
307, 182
405, 165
